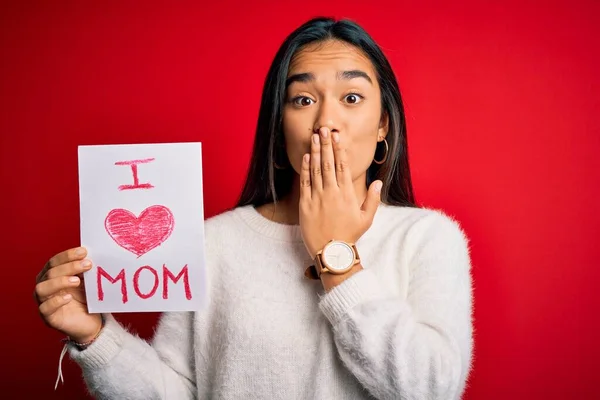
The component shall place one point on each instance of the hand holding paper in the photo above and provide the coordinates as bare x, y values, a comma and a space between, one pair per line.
61, 296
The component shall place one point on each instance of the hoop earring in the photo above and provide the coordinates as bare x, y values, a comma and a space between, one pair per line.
387, 149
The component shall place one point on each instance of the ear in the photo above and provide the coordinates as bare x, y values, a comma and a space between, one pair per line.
384, 124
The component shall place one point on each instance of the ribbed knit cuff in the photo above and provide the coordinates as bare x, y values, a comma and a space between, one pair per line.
106, 346
360, 288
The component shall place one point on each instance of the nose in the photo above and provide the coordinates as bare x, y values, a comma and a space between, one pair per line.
327, 117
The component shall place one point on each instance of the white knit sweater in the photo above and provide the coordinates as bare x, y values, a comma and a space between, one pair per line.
399, 329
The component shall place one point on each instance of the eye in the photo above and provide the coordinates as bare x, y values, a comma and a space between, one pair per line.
302, 101
353, 98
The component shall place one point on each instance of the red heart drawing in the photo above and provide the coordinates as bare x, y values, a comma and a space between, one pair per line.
140, 234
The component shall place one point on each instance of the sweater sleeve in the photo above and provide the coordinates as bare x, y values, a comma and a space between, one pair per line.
120, 365
414, 348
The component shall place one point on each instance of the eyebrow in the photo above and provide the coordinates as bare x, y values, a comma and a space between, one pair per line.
343, 75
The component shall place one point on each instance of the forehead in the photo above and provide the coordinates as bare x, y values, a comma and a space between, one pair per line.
332, 55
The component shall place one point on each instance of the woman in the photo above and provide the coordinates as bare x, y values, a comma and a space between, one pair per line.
383, 311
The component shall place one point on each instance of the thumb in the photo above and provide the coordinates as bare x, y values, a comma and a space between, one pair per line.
373, 199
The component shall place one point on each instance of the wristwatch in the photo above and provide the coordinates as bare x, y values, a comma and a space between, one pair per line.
337, 257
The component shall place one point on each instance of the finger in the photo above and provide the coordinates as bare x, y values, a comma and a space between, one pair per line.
74, 268
77, 253
342, 168
315, 164
369, 207
327, 160
78, 293
46, 289
305, 191
68, 269
42, 273
52, 305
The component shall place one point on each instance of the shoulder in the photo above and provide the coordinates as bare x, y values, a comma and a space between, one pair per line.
423, 224
223, 223
440, 221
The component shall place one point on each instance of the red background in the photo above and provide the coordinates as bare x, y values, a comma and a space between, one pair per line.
501, 101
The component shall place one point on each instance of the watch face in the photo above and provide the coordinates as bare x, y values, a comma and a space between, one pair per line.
338, 256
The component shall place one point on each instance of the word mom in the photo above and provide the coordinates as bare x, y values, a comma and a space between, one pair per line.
166, 276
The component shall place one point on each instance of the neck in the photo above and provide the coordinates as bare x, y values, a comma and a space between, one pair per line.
285, 211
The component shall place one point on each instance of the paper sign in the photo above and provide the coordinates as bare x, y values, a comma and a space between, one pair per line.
142, 221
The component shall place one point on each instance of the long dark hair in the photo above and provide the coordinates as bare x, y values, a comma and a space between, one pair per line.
265, 183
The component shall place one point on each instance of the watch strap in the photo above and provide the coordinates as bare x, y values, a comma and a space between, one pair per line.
311, 272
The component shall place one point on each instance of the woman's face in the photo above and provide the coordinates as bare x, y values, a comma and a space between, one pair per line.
333, 85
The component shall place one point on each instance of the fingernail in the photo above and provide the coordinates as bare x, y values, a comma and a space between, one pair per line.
306, 158
336, 137
86, 264
378, 186
67, 297
80, 251
325, 133
74, 279
316, 139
